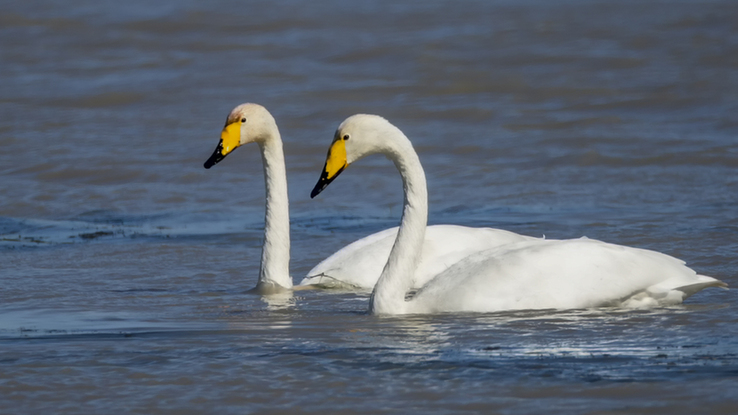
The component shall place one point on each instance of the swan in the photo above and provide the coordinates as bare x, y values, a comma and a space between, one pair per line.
531, 273
249, 123
359, 264
356, 266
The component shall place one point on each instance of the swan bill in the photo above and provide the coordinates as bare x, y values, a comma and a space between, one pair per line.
215, 157
334, 165
324, 181
230, 139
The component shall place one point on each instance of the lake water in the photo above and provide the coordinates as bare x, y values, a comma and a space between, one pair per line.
125, 264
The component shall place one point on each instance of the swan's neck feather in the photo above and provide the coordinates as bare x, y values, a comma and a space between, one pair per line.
275, 254
398, 275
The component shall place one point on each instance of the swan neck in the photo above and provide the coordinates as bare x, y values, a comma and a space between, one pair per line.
398, 275
275, 254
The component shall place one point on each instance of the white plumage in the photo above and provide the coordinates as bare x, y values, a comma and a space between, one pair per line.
354, 267
360, 263
526, 273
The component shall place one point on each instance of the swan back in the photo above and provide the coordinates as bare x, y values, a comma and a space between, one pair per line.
359, 264
560, 274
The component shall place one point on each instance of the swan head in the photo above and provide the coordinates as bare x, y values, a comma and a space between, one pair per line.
358, 136
247, 123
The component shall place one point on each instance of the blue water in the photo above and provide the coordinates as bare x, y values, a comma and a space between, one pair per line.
125, 264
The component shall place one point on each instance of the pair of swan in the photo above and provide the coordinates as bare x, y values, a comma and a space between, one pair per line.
491, 270
356, 266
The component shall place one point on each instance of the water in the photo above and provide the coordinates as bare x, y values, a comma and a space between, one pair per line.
125, 263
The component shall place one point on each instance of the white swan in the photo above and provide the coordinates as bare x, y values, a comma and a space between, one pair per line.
357, 265
252, 123
360, 263
529, 274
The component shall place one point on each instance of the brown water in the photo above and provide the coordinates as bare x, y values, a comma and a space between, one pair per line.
125, 263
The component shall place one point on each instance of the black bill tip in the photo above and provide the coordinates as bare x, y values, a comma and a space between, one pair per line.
215, 157
323, 182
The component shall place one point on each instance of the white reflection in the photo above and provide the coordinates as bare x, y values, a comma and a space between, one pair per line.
401, 339
279, 301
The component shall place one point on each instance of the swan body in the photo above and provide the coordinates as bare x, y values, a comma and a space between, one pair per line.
563, 274
529, 273
354, 267
360, 263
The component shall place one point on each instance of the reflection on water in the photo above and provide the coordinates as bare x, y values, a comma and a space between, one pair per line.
125, 266
279, 301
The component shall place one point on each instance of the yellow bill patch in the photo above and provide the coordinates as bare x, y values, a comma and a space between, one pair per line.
230, 137
334, 165
336, 160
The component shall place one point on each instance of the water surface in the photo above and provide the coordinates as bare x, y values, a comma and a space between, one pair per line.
125, 264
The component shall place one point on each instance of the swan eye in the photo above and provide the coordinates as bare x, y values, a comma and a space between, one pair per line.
345, 137
243, 119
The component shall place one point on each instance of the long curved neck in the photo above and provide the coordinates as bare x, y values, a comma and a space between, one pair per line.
275, 254
397, 277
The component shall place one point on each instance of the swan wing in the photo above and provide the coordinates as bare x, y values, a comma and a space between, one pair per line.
356, 265
560, 274
359, 264
446, 245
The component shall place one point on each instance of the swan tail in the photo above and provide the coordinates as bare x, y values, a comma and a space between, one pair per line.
670, 293
702, 283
